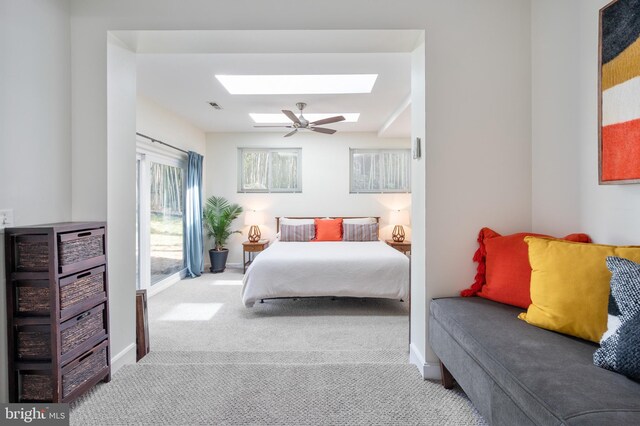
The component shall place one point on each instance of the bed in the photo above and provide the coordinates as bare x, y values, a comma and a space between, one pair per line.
327, 269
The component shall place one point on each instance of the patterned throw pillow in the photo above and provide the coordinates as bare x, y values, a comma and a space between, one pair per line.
360, 232
299, 233
620, 347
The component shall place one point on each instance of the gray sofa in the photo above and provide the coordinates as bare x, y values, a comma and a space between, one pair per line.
518, 374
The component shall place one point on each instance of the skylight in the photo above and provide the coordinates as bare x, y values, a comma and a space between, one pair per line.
349, 117
297, 84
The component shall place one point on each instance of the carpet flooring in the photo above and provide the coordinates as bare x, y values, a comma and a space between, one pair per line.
284, 362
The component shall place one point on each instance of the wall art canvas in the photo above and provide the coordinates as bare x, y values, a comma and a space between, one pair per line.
619, 141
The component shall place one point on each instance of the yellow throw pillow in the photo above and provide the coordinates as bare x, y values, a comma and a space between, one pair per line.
570, 285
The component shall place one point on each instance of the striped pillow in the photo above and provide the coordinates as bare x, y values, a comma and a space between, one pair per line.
300, 233
360, 232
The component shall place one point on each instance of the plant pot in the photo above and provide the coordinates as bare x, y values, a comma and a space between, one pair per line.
218, 260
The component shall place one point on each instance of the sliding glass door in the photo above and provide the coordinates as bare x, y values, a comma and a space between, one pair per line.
166, 220
161, 194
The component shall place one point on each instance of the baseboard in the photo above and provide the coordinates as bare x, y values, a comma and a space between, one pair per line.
428, 371
126, 356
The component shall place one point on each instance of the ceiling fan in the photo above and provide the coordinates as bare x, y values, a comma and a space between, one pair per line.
300, 123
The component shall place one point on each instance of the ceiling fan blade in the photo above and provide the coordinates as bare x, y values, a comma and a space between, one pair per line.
291, 116
329, 120
280, 126
323, 130
291, 133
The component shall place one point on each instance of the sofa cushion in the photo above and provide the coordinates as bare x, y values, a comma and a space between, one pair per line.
549, 376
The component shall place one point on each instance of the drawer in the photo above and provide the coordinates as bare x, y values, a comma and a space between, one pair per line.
80, 290
31, 253
32, 297
33, 342
86, 367
81, 249
36, 386
87, 328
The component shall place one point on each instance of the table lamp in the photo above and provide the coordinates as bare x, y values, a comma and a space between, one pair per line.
253, 218
399, 218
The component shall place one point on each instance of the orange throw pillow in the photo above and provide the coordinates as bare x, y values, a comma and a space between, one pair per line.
328, 229
504, 272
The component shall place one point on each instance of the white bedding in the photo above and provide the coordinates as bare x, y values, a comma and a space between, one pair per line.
341, 268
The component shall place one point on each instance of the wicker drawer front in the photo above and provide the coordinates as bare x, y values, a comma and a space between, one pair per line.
82, 328
33, 342
32, 297
84, 369
36, 387
32, 253
74, 247
76, 289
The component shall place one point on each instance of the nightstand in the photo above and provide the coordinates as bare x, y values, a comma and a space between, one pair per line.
404, 247
250, 250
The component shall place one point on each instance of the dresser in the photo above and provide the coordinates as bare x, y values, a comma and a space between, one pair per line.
57, 310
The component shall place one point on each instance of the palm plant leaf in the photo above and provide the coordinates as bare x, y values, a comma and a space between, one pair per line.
218, 215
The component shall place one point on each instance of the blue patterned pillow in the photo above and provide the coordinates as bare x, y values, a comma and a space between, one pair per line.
620, 346
299, 233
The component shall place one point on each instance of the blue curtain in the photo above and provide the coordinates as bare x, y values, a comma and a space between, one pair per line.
193, 238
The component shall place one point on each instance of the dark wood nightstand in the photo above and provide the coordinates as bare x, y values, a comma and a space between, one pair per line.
404, 247
251, 249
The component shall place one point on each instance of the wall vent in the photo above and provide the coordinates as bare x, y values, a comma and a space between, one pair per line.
215, 105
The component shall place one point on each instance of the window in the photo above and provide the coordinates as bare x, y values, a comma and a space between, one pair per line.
380, 170
269, 170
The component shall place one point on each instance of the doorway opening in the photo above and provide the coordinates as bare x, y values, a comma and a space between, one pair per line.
163, 217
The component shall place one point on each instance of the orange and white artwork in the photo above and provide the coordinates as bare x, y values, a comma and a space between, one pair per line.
620, 92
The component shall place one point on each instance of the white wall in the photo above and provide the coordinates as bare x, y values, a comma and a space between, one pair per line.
156, 121
478, 106
35, 123
566, 194
478, 134
418, 323
325, 180
121, 202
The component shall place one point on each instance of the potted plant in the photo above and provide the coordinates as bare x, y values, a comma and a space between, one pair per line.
217, 216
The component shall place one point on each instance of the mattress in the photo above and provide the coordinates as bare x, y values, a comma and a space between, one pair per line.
335, 268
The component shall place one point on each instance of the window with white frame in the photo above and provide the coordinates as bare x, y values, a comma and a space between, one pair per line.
269, 170
380, 170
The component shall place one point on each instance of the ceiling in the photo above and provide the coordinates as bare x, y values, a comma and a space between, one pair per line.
176, 69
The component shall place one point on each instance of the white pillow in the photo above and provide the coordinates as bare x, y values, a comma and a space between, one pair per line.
360, 221
288, 221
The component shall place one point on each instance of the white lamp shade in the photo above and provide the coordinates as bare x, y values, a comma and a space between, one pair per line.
252, 217
399, 217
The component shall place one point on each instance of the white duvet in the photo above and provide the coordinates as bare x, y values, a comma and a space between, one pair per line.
353, 269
